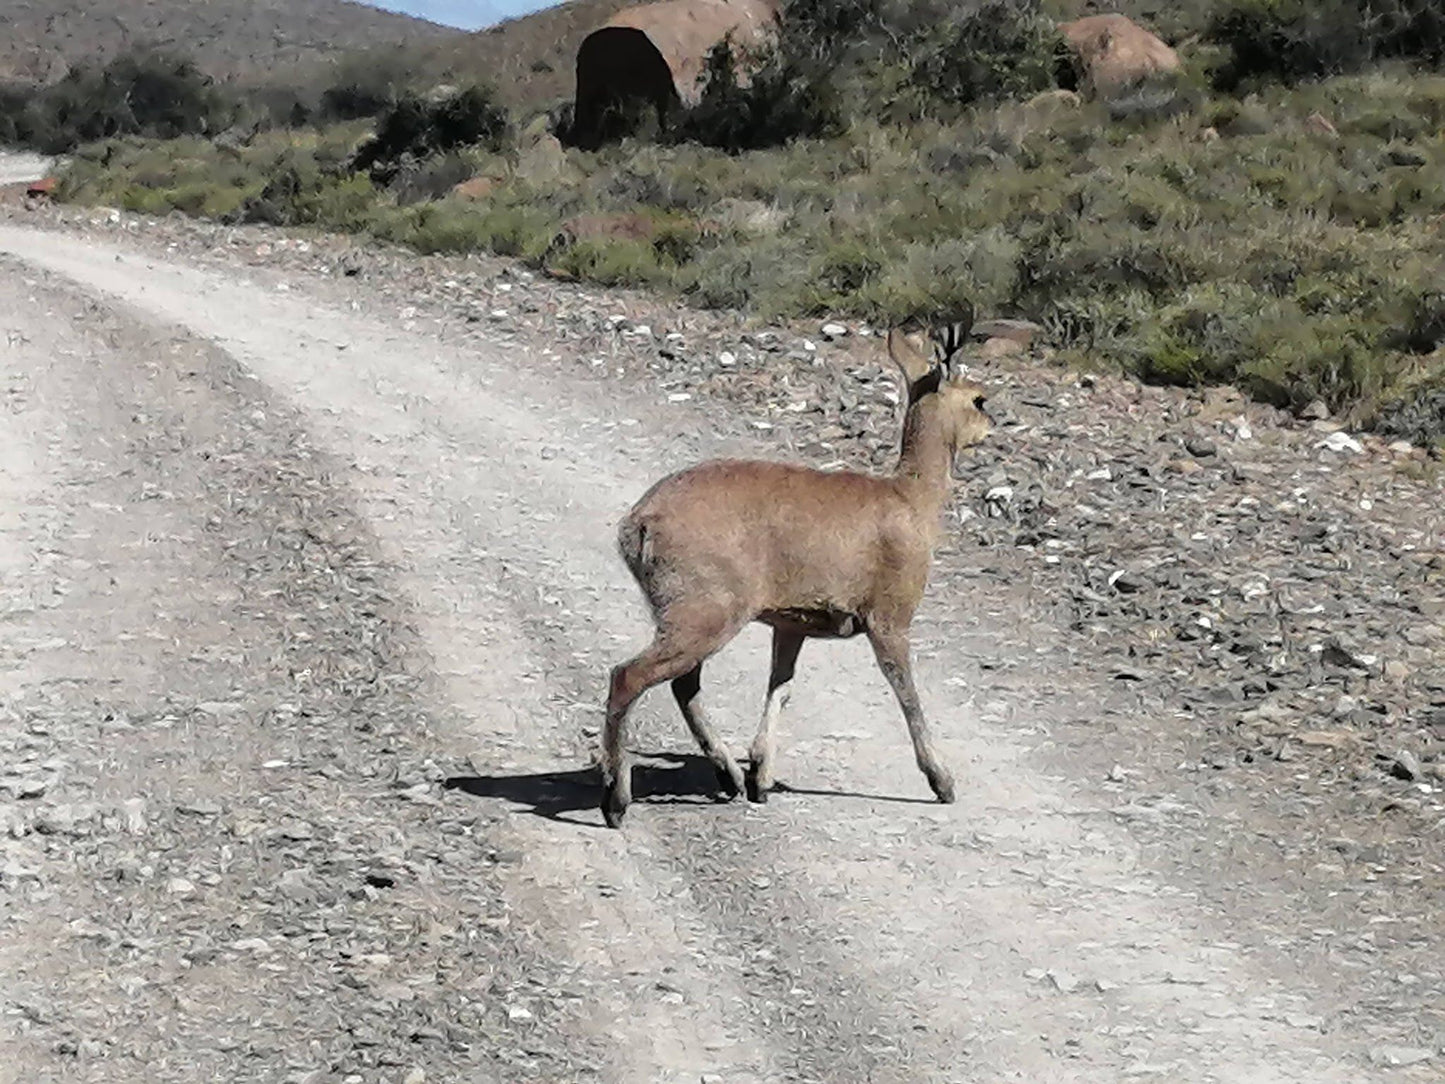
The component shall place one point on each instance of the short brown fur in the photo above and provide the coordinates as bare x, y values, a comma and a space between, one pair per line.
810, 553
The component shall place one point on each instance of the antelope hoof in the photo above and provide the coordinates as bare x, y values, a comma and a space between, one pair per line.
942, 784
730, 782
757, 792
614, 806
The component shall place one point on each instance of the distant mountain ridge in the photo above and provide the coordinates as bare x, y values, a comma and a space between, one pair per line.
230, 39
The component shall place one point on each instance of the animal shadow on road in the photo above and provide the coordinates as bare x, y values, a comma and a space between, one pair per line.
657, 779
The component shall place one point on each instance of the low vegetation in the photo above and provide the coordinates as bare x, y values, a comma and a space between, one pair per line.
1292, 40
1272, 219
156, 94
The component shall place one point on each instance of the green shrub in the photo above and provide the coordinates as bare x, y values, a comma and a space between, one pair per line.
1201, 338
939, 276
1422, 331
773, 276
157, 94
445, 228
987, 51
787, 98
365, 85
282, 201
1292, 40
341, 203
613, 262
520, 230
190, 198
144, 201
1415, 413
1295, 360
416, 129
846, 267
225, 201
431, 180
841, 62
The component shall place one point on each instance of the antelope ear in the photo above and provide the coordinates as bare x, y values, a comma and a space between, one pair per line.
913, 362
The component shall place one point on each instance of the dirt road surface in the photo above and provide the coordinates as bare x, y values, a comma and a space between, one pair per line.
307, 613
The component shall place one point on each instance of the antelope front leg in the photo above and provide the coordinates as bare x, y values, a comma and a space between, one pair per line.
786, 646
891, 648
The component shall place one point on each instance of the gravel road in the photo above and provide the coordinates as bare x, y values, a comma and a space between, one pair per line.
307, 613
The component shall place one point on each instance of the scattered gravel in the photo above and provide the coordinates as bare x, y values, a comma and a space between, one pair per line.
1257, 602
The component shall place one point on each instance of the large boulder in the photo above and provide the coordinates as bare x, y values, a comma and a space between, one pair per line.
1114, 54
657, 53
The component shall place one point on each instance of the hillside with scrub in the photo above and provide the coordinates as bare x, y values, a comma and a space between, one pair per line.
42, 40
1270, 215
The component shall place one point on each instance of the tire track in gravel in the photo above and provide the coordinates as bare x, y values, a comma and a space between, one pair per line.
634, 931
202, 647
1017, 935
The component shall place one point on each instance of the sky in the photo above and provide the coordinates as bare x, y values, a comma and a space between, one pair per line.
467, 14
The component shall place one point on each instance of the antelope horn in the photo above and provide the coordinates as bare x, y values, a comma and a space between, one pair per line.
951, 337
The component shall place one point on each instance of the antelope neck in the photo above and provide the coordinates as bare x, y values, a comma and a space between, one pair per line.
926, 454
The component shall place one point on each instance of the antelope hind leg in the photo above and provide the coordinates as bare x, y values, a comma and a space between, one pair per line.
686, 689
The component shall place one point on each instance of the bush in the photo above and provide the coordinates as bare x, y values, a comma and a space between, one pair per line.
444, 228
906, 59
987, 51
785, 99
13, 102
365, 85
431, 180
1416, 415
842, 62
416, 128
621, 262
280, 202
160, 95
1292, 40
281, 106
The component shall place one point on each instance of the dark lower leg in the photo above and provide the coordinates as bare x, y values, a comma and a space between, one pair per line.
686, 689
616, 772
629, 681
690, 635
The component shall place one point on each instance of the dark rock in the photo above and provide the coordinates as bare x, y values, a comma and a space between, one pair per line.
1127, 582
1403, 764
1406, 156
1334, 653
